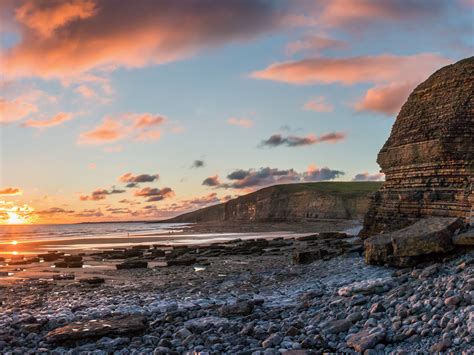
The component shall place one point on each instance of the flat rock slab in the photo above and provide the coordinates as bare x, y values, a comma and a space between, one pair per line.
406, 246
464, 239
203, 323
97, 328
366, 287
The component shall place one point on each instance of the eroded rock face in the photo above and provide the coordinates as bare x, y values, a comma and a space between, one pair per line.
428, 159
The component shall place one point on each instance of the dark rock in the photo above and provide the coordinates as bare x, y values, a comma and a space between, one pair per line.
72, 258
132, 264
95, 280
97, 328
365, 339
337, 326
61, 277
240, 308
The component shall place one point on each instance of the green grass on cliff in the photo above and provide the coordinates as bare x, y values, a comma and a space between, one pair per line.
344, 188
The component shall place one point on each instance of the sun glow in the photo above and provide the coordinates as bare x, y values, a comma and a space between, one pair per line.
14, 218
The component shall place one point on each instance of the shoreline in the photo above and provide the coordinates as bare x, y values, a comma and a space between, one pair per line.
247, 297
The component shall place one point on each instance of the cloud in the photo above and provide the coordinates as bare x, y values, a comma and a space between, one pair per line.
369, 177
211, 181
54, 211
314, 44
386, 99
86, 91
394, 76
16, 109
154, 194
318, 104
134, 180
89, 213
53, 121
198, 164
252, 178
353, 70
240, 122
10, 191
67, 38
100, 194
195, 203
276, 140
321, 174
137, 126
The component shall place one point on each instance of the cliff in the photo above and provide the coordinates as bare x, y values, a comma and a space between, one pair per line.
428, 160
291, 202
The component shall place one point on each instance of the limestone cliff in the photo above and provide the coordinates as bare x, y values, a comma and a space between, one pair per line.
428, 159
291, 202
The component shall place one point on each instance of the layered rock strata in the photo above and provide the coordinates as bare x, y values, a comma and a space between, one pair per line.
428, 158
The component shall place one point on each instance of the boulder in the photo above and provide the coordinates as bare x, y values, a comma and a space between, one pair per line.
464, 239
365, 339
240, 308
410, 245
132, 264
98, 328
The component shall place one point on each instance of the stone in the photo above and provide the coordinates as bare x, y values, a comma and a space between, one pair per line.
365, 339
306, 256
272, 341
97, 328
452, 301
464, 239
240, 308
441, 346
61, 277
132, 264
95, 280
470, 323
203, 323
410, 245
337, 326
366, 287
72, 258
376, 308
428, 159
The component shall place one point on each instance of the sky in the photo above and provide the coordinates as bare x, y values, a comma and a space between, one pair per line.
141, 110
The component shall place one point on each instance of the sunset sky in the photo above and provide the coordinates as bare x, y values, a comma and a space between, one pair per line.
133, 110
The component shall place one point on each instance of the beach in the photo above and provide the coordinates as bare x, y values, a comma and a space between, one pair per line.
302, 293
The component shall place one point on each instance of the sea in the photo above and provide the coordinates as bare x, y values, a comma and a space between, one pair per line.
33, 238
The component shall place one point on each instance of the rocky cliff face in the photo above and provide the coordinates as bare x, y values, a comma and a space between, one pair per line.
292, 202
428, 159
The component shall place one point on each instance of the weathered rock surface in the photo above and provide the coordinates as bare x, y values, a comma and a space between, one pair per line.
405, 247
96, 328
428, 160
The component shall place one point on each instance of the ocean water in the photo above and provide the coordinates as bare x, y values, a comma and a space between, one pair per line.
54, 232
31, 239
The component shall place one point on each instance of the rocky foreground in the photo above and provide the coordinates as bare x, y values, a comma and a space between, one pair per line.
301, 296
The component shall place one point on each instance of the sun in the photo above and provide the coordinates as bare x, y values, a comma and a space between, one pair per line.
14, 218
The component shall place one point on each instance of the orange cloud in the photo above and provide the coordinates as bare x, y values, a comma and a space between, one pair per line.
352, 70
318, 104
53, 121
67, 38
10, 191
86, 91
15, 110
240, 122
385, 99
46, 17
108, 131
133, 126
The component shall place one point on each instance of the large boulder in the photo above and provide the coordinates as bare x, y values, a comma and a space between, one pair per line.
407, 246
97, 328
428, 160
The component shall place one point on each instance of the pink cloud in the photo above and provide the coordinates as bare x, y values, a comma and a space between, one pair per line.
386, 99
86, 91
318, 104
127, 126
53, 121
15, 110
67, 38
240, 122
352, 70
